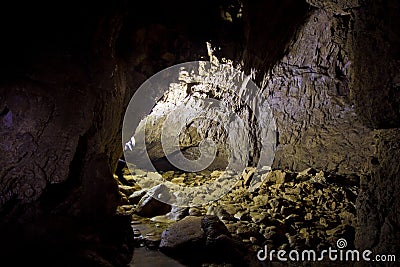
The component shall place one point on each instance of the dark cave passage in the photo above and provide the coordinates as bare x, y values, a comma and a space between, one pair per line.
301, 155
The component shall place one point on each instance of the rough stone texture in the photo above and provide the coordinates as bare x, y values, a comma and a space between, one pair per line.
186, 234
150, 206
307, 88
373, 51
62, 101
267, 34
309, 94
186, 112
203, 240
337, 7
375, 72
63, 88
344, 61
378, 203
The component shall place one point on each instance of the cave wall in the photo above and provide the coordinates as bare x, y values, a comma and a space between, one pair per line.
65, 86
374, 87
335, 97
62, 100
302, 61
372, 44
308, 90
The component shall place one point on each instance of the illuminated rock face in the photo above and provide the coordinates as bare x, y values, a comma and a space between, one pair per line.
309, 93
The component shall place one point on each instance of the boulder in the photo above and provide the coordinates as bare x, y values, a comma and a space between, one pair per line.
150, 206
208, 235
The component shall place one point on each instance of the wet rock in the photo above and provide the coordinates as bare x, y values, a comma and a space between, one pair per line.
296, 213
175, 214
207, 234
152, 241
150, 206
184, 235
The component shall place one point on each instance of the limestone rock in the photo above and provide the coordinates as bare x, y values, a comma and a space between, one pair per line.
208, 234
277, 177
337, 7
248, 174
186, 234
150, 206
136, 196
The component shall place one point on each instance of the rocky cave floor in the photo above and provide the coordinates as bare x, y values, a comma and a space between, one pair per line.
289, 211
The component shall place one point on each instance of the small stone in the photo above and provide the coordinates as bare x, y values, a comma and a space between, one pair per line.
292, 198
242, 215
292, 239
277, 176
161, 219
308, 217
210, 210
283, 247
322, 221
258, 217
304, 233
232, 208
347, 217
168, 175
179, 180
149, 206
261, 200
248, 174
319, 177
193, 211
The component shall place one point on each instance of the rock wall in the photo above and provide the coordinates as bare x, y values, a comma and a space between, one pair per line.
309, 93
337, 81
373, 50
305, 73
378, 202
61, 106
332, 76
375, 89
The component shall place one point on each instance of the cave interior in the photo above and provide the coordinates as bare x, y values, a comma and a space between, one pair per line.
329, 78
